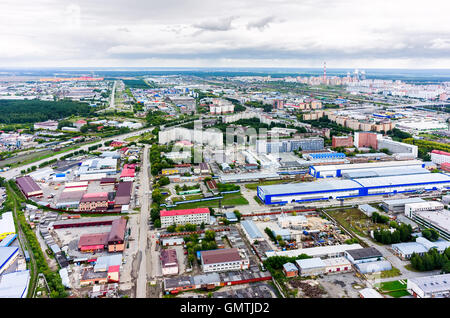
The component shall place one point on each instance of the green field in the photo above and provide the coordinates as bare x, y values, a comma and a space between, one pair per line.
355, 221
394, 288
228, 199
253, 186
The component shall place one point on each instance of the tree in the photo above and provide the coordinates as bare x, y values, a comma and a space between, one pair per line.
430, 234
238, 215
202, 226
171, 228
157, 223
157, 197
163, 181
84, 129
210, 235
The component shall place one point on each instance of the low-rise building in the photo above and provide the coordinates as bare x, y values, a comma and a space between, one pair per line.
435, 286
290, 270
311, 266
363, 255
169, 262
228, 259
181, 217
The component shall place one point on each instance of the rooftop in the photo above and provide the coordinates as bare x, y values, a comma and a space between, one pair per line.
363, 253
432, 284
220, 256
184, 212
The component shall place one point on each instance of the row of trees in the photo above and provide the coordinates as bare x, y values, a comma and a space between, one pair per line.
378, 218
188, 227
402, 233
193, 244
432, 260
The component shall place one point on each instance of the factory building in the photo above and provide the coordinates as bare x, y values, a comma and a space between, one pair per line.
181, 217
434, 219
340, 189
337, 171
324, 156
419, 247
440, 157
435, 286
15, 284
320, 251
251, 231
7, 257
412, 208
28, 186
398, 205
227, 259
6, 225
363, 255
169, 262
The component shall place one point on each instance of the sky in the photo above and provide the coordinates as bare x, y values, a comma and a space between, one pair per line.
226, 33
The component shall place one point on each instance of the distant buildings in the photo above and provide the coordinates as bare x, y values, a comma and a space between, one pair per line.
342, 141
307, 144
440, 157
46, 125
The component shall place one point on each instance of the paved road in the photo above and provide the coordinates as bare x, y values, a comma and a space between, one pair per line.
15, 172
141, 284
113, 93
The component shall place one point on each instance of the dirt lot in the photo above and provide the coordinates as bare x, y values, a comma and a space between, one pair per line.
341, 285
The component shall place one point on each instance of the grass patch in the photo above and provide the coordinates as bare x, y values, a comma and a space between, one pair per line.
355, 221
411, 268
399, 293
395, 285
390, 273
228, 199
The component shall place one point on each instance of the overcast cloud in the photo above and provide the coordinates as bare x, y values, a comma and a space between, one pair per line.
253, 33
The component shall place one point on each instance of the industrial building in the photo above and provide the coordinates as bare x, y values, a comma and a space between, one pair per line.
169, 262
320, 251
28, 186
246, 177
181, 217
398, 205
438, 220
439, 157
7, 257
336, 171
374, 267
6, 225
420, 247
340, 189
417, 207
227, 259
435, 286
15, 284
290, 270
363, 255
324, 156
342, 141
310, 266
251, 231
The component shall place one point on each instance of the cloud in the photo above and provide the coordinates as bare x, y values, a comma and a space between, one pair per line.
223, 24
261, 24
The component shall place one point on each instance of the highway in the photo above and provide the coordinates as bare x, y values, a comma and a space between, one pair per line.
143, 246
15, 172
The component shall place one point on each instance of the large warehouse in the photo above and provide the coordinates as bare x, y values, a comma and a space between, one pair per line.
333, 171
347, 188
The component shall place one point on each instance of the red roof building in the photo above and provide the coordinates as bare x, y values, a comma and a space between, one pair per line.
90, 243
94, 201
180, 217
28, 186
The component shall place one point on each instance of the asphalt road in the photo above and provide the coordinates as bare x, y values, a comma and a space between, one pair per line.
141, 284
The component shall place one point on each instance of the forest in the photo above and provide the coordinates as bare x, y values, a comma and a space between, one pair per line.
31, 111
